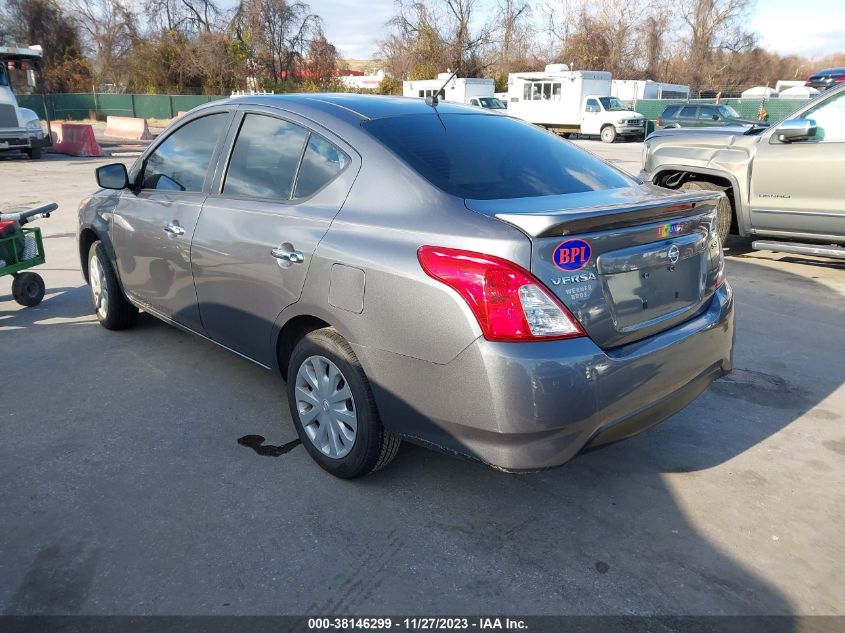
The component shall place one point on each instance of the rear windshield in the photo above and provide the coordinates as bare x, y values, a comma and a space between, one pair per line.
489, 157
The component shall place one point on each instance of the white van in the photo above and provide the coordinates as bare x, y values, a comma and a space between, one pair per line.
572, 102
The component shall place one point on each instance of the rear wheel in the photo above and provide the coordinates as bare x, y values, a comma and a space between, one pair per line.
28, 289
724, 211
114, 312
608, 134
333, 409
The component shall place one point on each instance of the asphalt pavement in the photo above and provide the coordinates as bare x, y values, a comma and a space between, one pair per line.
124, 489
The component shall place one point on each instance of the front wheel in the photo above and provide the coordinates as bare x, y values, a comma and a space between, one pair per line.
608, 134
333, 408
114, 312
724, 211
28, 289
34, 152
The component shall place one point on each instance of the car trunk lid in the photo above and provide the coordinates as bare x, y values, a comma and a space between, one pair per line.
628, 263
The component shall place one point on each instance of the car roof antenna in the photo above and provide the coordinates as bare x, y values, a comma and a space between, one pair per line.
433, 99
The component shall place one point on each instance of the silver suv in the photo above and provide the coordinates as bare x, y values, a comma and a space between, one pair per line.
441, 274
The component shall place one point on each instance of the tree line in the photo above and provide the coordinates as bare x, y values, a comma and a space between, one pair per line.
193, 46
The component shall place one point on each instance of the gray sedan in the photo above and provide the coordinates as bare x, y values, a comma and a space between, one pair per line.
430, 272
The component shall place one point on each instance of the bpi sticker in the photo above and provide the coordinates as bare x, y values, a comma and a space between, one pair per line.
666, 230
572, 255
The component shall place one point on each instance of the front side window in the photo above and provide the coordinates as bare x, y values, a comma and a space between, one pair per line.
593, 105
611, 104
265, 158
181, 161
706, 113
321, 163
830, 118
728, 112
688, 112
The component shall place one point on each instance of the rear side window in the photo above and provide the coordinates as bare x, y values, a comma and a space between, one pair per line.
488, 157
181, 162
321, 163
265, 158
688, 112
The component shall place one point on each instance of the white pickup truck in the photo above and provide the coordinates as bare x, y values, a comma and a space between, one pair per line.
20, 128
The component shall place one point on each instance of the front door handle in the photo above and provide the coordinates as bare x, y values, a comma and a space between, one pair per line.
174, 229
288, 255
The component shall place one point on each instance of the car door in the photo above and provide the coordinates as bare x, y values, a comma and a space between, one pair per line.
592, 117
275, 197
708, 117
688, 117
795, 187
153, 222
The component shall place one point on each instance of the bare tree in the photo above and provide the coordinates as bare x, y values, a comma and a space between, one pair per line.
713, 25
109, 30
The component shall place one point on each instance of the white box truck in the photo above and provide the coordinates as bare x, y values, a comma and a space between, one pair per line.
20, 128
572, 101
474, 91
636, 89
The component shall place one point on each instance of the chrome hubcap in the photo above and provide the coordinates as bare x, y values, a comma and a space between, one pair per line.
99, 290
326, 407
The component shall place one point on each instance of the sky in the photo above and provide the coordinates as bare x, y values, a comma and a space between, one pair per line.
817, 30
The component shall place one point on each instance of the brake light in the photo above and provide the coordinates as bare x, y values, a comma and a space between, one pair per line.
658, 122
839, 80
509, 303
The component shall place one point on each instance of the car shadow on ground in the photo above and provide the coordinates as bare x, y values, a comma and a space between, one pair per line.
149, 476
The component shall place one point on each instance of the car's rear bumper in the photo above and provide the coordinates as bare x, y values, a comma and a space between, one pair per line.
527, 406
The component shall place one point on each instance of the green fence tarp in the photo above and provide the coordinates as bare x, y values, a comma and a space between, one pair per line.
86, 105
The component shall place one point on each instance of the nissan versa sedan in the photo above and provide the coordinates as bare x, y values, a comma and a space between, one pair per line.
439, 273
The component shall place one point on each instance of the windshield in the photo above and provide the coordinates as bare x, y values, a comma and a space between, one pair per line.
728, 112
486, 157
612, 104
491, 103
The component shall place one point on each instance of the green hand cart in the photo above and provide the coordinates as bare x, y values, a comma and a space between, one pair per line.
22, 248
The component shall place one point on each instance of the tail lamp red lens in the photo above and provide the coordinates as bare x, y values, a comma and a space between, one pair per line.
509, 303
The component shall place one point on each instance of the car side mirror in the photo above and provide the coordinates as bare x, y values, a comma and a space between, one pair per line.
793, 130
113, 176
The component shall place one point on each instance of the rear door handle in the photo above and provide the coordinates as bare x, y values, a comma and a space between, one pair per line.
174, 229
285, 255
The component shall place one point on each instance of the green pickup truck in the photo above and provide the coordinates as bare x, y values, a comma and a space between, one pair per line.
783, 183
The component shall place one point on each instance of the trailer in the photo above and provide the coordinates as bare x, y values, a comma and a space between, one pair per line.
457, 90
20, 128
637, 89
568, 102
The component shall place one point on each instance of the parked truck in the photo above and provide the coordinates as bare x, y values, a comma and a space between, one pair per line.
781, 183
572, 102
474, 91
636, 89
20, 128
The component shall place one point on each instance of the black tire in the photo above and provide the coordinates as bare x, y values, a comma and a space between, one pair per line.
28, 289
35, 152
724, 212
608, 134
373, 446
118, 314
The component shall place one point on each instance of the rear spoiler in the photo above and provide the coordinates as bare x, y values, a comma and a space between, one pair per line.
611, 216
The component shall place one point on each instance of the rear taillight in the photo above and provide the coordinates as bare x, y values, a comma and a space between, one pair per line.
658, 122
839, 80
509, 303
